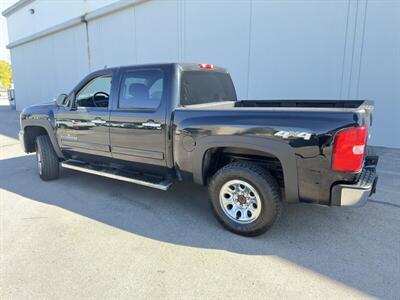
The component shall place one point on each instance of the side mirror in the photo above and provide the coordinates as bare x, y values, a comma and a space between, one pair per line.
60, 101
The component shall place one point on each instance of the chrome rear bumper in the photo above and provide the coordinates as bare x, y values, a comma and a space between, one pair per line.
358, 193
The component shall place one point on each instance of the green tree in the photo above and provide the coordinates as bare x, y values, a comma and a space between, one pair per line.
5, 74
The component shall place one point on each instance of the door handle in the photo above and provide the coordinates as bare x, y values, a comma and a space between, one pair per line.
98, 121
152, 124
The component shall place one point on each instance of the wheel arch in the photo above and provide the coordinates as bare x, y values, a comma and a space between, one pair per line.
282, 151
31, 131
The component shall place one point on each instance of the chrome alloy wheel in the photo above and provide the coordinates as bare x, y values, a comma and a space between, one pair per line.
240, 201
39, 162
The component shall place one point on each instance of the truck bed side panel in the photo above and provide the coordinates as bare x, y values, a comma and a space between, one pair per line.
309, 134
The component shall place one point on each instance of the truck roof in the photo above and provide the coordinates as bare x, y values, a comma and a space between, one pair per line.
180, 65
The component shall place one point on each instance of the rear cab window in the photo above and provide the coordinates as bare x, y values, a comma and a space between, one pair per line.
199, 87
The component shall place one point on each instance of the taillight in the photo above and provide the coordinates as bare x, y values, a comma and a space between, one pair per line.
206, 66
348, 149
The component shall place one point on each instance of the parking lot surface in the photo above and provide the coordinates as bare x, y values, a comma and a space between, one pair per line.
89, 237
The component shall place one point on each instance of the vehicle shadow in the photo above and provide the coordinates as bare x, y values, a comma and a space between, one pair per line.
341, 243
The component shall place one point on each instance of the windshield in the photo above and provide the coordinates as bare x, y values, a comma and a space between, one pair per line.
198, 87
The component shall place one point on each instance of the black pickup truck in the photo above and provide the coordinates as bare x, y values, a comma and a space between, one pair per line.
160, 123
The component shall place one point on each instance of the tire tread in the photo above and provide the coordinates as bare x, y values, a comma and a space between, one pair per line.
50, 163
258, 173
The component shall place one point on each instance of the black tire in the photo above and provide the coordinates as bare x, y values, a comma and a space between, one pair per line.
47, 160
262, 182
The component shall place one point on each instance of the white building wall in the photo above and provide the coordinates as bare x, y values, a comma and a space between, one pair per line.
48, 13
380, 70
222, 40
340, 49
112, 45
157, 40
296, 49
48, 66
140, 37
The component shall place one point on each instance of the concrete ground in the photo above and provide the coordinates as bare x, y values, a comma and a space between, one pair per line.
3, 102
88, 237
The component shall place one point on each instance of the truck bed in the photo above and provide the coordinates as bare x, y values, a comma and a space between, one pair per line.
289, 105
300, 103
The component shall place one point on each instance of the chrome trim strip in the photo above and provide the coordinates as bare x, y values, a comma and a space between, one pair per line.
161, 186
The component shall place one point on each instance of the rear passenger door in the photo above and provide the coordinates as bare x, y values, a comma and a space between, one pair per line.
137, 118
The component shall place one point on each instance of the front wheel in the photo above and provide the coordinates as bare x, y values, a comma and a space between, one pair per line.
245, 198
47, 160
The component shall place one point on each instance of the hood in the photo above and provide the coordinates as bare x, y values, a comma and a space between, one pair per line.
39, 111
41, 107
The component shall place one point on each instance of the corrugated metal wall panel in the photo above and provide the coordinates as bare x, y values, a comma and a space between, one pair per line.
70, 60
141, 35
157, 32
112, 40
297, 49
221, 40
273, 49
22, 23
48, 66
380, 69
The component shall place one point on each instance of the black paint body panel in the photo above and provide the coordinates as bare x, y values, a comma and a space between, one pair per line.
185, 134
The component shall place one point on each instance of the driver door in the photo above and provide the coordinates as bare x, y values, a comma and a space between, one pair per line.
82, 128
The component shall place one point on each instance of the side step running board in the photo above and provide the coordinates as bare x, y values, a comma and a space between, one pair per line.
118, 174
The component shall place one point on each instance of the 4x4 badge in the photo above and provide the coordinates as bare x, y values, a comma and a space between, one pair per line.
297, 134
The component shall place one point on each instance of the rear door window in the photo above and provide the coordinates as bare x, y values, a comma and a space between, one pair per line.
141, 89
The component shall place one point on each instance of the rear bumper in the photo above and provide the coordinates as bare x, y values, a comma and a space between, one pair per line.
358, 193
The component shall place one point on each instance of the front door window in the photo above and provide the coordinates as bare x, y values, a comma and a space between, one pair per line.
95, 94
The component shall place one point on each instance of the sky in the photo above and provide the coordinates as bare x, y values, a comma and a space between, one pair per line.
4, 53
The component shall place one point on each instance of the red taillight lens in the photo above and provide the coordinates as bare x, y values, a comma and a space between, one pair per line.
348, 149
206, 66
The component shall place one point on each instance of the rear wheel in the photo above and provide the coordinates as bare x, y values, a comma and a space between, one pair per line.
47, 160
245, 198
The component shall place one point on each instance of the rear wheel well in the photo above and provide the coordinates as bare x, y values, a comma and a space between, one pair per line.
30, 135
216, 158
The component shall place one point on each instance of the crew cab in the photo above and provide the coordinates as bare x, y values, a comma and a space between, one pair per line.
158, 124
